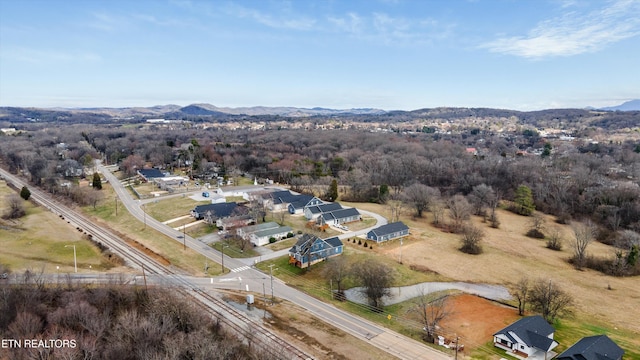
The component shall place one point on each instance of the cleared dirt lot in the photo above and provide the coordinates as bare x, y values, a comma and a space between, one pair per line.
602, 303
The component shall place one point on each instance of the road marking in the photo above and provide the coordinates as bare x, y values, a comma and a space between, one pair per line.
242, 268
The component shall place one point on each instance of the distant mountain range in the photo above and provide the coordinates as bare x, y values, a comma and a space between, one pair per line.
177, 111
631, 105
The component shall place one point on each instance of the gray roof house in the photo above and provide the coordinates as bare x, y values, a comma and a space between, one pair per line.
598, 347
150, 174
244, 232
388, 232
341, 216
218, 211
312, 212
310, 249
260, 238
528, 338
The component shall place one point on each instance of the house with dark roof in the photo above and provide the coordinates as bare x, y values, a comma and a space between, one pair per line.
286, 200
340, 216
310, 249
312, 212
598, 347
528, 338
297, 205
388, 232
150, 174
218, 211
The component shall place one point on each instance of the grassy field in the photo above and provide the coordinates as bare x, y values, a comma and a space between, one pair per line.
37, 241
603, 304
128, 226
163, 210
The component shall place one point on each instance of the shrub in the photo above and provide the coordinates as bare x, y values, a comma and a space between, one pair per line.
25, 193
289, 235
471, 238
272, 240
535, 233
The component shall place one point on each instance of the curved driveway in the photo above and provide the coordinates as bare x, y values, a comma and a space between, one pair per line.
247, 278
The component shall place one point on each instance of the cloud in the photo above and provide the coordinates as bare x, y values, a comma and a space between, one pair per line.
287, 20
382, 28
574, 33
37, 56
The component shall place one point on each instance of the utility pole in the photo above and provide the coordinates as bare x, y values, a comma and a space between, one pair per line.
264, 301
184, 237
75, 259
401, 251
271, 275
116, 205
456, 348
144, 277
222, 251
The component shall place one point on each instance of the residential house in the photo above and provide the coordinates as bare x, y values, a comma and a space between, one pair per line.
218, 211
312, 212
310, 249
234, 222
286, 200
528, 338
244, 232
338, 217
167, 182
300, 202
388, 232
262, 237
150, 174
598, 347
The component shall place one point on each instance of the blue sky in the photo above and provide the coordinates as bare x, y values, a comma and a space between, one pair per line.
388, 54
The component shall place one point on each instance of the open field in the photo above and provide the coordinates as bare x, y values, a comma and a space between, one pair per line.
509, 255
37, 242
129, 227
163, 210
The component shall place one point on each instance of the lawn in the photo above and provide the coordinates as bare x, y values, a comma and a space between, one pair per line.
603, 304
231, 250
129, 227
282, 244
38, 241
163, 210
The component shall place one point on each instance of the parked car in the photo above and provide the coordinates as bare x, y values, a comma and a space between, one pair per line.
205, 194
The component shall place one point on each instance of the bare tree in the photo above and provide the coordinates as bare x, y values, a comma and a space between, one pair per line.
521, 293
437, 208
16, 207
459, 211
471, 238
375, 278
395, 206
554, 240
431, 312
419, 196
584, 234
481, 197
336, 270
536, 226
549, 300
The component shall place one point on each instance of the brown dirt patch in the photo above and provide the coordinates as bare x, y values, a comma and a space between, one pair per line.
475, 319
317, 338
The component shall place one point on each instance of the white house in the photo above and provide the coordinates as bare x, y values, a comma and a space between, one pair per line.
262, 237
529, 338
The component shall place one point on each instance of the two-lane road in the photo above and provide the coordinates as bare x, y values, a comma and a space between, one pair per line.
254, 280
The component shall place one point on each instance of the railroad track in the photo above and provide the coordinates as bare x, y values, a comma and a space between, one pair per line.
252, 332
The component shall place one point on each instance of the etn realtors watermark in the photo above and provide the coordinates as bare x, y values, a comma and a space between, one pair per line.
37, 343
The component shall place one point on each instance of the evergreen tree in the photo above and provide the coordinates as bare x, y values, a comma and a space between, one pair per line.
25, 193
332, 194
96, 182
524, 204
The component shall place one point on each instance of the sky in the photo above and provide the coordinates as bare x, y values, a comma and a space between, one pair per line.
385, 54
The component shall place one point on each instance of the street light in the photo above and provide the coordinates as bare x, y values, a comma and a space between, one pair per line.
75, 259
222, 250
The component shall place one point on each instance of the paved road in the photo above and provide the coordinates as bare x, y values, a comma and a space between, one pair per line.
250, 278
